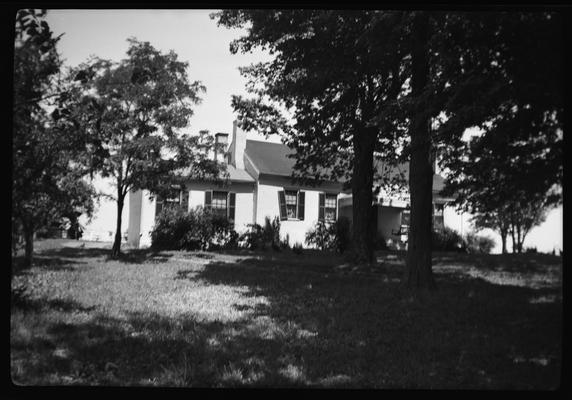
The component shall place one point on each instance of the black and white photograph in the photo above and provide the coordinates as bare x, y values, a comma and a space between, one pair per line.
279, 197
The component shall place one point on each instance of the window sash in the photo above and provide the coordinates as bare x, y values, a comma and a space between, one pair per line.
219, 200
291, 197
219, 203
328, 207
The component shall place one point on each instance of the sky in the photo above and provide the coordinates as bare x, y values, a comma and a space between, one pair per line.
197, 39
190, 33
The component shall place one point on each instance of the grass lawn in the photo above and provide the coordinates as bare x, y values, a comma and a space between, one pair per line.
283, 320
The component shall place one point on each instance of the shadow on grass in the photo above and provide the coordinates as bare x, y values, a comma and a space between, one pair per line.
517, 263
140, 256
23, 302
65, 257
48, 263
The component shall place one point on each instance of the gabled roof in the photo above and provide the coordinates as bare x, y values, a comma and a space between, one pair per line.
270, 158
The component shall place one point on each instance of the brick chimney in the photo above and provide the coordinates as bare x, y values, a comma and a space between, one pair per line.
237, 146
221, 146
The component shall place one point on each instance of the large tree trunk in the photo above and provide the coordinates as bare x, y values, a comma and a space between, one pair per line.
362, 186
116, 249
419, 268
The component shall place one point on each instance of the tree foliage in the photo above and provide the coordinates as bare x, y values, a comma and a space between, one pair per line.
46, 183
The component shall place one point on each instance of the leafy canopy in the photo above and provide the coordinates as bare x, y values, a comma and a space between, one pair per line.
132, 115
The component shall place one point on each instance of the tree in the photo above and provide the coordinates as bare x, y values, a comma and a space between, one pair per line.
130, 114
484, 70
523, 217
332, 74
419, 273
45, 181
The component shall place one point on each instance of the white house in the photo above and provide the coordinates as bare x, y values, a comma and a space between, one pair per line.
260, 185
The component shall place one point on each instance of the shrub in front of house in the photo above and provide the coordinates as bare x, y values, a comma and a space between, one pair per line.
253, 238
285, 244
197, 229
447, 239
223, 235
171, 226
262, 238
330, 236
322, 236
478, 244
271, 233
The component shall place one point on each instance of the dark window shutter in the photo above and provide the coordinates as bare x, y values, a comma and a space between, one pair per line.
185, 201
321, 210
282, 205
208, 197
158, 205
231, 205
301, 204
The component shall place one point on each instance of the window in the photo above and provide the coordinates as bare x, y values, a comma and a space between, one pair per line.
221, 203
291, 204
327, 207
176, 198
173, 201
